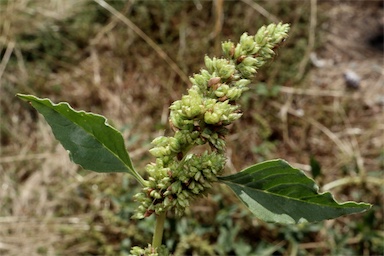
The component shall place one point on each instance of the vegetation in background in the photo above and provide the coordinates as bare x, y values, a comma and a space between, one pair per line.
101, 68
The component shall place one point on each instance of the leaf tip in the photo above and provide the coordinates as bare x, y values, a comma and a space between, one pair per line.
21, 96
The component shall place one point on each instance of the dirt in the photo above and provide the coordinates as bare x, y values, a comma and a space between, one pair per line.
335, 113
354, 46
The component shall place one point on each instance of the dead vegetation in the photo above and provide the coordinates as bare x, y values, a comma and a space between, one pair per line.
129, 65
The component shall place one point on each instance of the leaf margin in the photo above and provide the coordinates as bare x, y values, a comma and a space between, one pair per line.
281, 217
40, 103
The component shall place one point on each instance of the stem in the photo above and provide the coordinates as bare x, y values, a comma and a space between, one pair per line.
352, 180
159, 229
140, 179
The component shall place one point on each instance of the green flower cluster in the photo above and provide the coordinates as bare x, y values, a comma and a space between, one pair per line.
174, 185
150, 251
201, 117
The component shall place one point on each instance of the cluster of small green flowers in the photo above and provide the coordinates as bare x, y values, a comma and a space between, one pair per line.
149, 251
174, 185
201, 117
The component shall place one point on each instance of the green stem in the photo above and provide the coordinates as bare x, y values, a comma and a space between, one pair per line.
143, 182
352, 180
159, 229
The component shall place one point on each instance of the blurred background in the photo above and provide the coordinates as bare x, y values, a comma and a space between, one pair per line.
319, 104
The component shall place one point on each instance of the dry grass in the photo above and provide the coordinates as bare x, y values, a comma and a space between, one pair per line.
50, 206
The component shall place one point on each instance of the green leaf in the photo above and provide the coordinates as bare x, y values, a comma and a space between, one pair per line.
276, 192
89, 139
315, 167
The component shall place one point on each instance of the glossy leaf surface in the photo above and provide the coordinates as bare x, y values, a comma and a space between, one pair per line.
89, 139
276, 192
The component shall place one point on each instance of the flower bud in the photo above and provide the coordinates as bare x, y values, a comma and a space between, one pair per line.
159, 141
260, 62
208, 63
138, 216
176, 187
222, 90
199, 187
249, 61
181, 137
165, 181
260, 35
265, 52
199, 80
159, 208
175, 120
219, 144
246, 71
155, 194
226, 71
182, 202
228, 48
209, 103
234, 116
181, 196
174, 145
191, 104
211, 118
191, 185
167, 202
158, 151
238, 51
185, 193
206, 185
196, 190
234, 93
200, 141
194, 135
247, 43
209, 173
206, 75
197, 176
242, 83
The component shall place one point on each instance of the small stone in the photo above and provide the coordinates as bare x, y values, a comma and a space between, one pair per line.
352, 80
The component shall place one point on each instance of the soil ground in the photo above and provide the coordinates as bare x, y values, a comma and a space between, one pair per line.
329, 109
